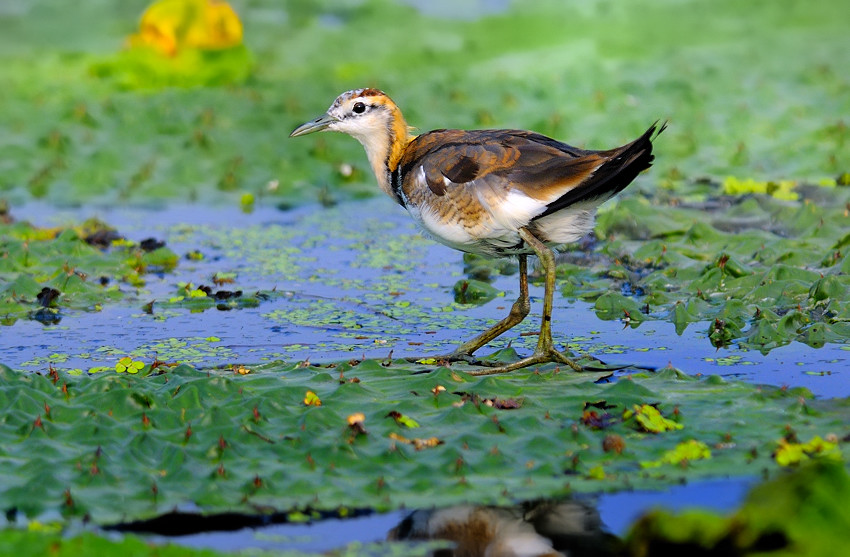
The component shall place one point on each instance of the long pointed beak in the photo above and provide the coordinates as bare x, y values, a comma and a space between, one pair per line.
319, 124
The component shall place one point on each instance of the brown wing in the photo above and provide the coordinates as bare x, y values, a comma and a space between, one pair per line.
458, 156
541, 167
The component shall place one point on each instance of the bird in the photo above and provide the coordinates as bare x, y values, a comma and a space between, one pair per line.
531, 529
492, 192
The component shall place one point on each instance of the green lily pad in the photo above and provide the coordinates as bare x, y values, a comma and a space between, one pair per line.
116, 447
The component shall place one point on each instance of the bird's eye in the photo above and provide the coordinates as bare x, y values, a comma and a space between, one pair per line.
359, 108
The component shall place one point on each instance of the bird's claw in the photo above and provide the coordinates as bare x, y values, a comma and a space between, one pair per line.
493, 367
466, 358
539, 357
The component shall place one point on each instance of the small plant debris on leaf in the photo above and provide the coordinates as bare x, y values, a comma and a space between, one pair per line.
418, 444
595, 415
613, 443
403, 420
355, 425
312, 399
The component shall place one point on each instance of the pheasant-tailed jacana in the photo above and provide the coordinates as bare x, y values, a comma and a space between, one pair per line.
490, 192
534, 529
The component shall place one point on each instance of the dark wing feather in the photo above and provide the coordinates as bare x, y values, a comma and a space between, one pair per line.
463, 169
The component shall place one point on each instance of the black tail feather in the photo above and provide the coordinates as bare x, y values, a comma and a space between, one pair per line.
614, 175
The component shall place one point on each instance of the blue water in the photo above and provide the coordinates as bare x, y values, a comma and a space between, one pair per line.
330, 263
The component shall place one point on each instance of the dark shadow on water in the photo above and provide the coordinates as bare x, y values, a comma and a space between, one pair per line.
582, 526
177, 523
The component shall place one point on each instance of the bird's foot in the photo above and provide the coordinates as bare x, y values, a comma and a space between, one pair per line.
459, 357
454, 357
540, 356
466, 358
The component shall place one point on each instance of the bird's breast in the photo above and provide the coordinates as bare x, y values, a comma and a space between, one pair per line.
471, 217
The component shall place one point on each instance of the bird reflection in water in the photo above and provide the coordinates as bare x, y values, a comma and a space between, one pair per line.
538, 529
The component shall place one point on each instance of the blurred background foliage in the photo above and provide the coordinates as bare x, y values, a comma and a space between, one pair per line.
753, 90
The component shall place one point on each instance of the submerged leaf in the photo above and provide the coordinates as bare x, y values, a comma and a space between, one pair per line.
474, 292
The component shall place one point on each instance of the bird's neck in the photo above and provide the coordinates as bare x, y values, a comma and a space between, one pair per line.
385, 147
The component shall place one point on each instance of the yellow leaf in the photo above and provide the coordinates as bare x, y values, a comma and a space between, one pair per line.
312, 399
790, 454
684, 452
735, 186
650, 419
783, 189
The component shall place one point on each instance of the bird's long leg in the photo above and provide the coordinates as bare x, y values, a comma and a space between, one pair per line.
547, 260
545, 351
518, 312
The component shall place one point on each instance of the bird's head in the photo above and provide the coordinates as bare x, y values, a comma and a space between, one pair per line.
368, 115
359, 113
